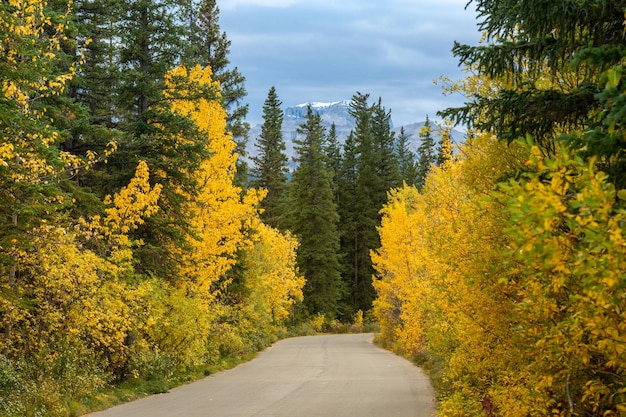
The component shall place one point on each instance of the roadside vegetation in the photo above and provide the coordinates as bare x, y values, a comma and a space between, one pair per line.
504, 275
138, 251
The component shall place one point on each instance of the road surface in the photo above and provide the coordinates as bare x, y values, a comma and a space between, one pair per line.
314, 376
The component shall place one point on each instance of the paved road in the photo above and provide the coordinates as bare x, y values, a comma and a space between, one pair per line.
315, 376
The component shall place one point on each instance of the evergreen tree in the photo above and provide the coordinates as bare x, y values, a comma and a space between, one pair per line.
209, 46
96, 88
153, 39
444, 150
98, 80
314, 221
366, 202
270, 164
368, 170
332, 149
150, 38
384, 147
348, 224
407, 167
561, 66
426, 153
119, 95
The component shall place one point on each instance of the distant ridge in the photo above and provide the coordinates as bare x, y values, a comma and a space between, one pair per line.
320, 105
336, 112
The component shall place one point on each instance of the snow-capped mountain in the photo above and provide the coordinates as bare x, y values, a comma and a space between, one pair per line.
338, 113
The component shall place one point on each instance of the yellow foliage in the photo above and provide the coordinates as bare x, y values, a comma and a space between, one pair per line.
132, 203
400, 265
566, 233
272, 277
186, 319
438, 274
26, 24
76, 300
74, 284
30, 44
519, 288
80, 295
218, 213
175, 323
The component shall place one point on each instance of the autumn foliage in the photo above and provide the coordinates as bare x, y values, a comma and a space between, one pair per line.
76, 311
515, 285
505, 273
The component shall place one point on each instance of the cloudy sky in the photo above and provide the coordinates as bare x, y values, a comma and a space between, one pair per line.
326, 50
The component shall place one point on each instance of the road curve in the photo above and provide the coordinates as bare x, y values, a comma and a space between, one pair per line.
314, 376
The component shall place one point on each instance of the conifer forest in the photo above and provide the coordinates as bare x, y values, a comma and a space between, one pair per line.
142, 247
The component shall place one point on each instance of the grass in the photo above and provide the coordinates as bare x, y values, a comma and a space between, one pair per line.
139, 388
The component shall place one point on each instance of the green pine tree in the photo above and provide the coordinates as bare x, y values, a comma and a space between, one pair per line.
444, 150
96, 88
100, 75
369, 169
149, 40
407, 166
209, 46
314, 221
346, 181
562, 67
332, 149
426, 153
270, 164
384, 147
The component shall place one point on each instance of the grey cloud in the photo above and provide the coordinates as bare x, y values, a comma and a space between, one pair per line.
325, 53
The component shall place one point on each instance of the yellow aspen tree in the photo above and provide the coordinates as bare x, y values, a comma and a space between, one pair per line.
78, 295
272, 277
31, 165
116, 318
184, 312
567, 236
465, 240
439, 268
218, 213
402, 284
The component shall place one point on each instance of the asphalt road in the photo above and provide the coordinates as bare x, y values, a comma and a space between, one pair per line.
315, 376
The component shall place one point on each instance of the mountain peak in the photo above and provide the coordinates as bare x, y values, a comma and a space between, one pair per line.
318, 105
337, 112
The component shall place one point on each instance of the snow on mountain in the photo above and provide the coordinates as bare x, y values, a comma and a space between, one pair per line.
336, 112
320, 105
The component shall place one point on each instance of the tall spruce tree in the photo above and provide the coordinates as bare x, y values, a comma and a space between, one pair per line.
332, 149
369, 170
359, 208
97, 82
314, 220
426, 153
407, 166
562, 67
152, 44
271, 164
384, 147
148, 38
209, 46
348, 224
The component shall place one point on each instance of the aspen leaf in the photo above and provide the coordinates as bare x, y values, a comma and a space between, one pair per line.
614, 75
